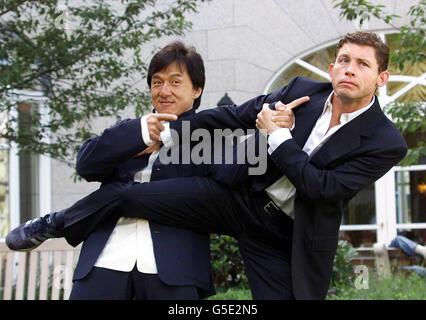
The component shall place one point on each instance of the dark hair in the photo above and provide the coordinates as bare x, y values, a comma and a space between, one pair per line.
185, 57
368, 39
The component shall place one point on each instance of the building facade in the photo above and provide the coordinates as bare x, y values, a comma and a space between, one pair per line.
253, 47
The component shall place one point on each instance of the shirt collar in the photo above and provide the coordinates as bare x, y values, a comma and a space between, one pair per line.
346, 117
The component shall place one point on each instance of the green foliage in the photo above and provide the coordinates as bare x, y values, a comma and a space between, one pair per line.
397, 287
342, 267
86, 58
227, 264
411, 38
410, 118
362, 10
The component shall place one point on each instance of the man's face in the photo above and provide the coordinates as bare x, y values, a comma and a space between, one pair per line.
172, 90
355, 75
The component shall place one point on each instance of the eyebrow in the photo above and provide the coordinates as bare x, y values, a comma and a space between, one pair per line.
345, 55
172, 75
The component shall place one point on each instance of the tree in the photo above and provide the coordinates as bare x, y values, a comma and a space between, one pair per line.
84, 57
410, 43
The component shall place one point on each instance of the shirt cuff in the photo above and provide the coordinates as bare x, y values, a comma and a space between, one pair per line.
166, 136
145, 133
278, 137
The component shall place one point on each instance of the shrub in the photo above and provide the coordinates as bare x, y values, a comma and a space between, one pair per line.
343, 269
227, 263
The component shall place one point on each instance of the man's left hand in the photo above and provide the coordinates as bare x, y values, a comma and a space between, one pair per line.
264, 119
282, 117
155, 146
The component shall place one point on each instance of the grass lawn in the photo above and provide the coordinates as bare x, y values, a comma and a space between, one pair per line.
398, 287
232, 294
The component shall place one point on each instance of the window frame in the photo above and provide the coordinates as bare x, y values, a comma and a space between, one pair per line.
44, 162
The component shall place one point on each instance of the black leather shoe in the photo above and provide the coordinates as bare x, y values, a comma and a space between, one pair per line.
31, 234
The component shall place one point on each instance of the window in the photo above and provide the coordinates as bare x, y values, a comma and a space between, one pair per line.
24, 179
396, 202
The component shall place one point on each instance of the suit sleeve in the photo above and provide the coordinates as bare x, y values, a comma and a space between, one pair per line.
101, 155
232, 116
341, 182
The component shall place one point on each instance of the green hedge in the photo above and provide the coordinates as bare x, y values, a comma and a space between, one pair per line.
227, 263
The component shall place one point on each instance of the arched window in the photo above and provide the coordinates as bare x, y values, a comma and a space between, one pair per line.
397, 202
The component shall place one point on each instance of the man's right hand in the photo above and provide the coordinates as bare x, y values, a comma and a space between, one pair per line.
155, 125
284, 116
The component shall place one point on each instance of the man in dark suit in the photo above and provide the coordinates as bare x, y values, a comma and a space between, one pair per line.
126, 258
287, 220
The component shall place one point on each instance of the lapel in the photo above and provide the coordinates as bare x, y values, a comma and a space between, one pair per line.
306, 116
348, 137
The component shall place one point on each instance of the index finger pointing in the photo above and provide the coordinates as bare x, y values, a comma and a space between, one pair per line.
298, 102
166, 117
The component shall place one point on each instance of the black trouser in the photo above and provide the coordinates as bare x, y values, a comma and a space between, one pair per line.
106, 284
201, 204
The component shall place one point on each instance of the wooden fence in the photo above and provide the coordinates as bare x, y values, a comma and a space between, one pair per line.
41, 274
46, 272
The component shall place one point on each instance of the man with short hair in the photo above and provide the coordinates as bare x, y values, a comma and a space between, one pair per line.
286, 220
134, 258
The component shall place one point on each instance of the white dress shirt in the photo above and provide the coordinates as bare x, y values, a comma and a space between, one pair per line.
130, 241
282, 191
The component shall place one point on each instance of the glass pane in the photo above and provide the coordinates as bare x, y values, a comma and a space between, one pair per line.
28, 170
361, 209
394, 86
410, 196
291, 72
417, 94
361, 238
4, 192
321, 59
410, 69
29, 190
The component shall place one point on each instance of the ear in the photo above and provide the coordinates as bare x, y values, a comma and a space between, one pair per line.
383, 78
197, 92
330, 69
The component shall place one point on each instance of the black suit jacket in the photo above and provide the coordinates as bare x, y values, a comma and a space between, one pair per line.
182, 256
357, 155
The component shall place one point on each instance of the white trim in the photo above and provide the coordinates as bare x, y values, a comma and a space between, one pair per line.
26, 95
420, 167
44, 170
403, 78
14, 187
416, 225
385, 201
414, 82
358, 227
312, 68
14, 181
